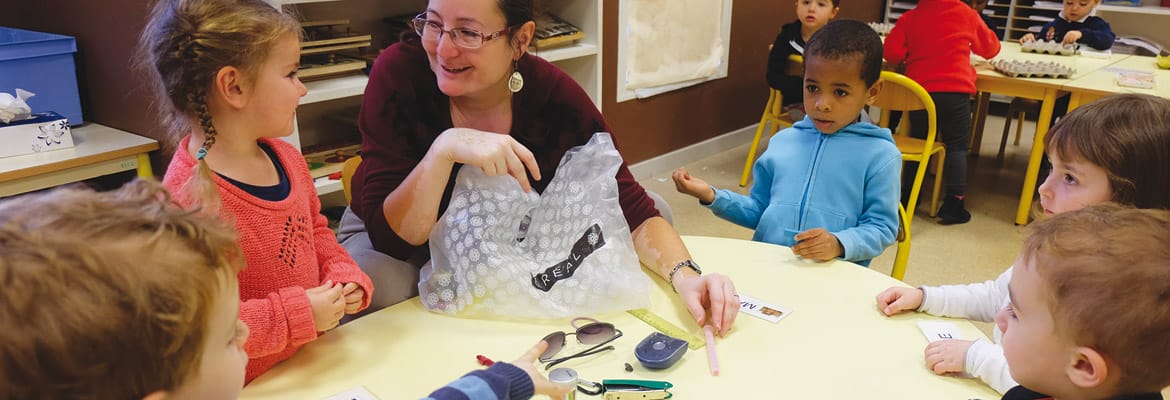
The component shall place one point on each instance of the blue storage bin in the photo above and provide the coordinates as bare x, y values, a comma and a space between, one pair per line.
41, 63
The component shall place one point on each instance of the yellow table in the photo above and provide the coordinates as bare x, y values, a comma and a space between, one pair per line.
1044, 89
834, 345
1102, 82
98, 150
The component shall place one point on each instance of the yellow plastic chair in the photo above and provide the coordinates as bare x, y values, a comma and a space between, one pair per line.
347, 171
900, 93
773, 117
903, 254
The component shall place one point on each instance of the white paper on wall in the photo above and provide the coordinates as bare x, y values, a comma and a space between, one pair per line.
673, 41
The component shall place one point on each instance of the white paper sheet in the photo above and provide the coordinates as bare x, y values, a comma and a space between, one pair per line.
673, 41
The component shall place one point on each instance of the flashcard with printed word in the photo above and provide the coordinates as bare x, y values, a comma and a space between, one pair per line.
759, 309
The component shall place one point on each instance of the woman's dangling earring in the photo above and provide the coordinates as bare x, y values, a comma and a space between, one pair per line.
516, 81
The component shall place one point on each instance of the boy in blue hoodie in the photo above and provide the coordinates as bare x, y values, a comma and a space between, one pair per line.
829, 185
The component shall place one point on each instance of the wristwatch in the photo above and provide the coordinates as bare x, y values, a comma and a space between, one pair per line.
686, 263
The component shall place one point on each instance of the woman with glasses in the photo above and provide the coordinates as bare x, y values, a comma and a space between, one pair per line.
464, 92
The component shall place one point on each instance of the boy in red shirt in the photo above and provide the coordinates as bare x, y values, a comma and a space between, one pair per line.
935, 41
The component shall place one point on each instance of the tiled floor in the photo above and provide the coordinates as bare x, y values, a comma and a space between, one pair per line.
971, 252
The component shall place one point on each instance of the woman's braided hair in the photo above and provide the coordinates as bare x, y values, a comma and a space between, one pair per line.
186, 44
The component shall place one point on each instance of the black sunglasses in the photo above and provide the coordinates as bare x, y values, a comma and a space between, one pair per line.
596, 334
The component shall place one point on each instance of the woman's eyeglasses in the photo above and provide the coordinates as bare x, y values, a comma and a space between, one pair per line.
595, 333
432, 31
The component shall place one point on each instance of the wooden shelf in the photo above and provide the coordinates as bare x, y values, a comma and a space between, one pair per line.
326, 186
567, 52
335, 88
98, 150
1152, 10
1038, 8
329, 168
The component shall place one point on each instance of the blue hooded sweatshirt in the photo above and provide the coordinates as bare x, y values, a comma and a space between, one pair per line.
847, 182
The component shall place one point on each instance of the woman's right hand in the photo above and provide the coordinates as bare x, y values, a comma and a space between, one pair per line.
328, 305
494, 153
1028, 37
897, 299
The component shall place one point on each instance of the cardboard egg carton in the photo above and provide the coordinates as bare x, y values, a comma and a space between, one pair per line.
882, 28
1049, 47
1032, 69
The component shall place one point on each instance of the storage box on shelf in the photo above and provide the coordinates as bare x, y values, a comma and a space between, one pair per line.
45, 131
41, 63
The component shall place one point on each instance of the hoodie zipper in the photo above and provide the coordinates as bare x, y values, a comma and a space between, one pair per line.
808, 181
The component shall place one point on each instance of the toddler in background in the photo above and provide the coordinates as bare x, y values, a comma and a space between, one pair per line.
225, 72
1076, 24
1114, 149
811, 15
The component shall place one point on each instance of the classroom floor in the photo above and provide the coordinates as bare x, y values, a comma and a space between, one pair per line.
973, 252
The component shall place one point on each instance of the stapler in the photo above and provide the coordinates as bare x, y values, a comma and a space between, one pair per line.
629, 389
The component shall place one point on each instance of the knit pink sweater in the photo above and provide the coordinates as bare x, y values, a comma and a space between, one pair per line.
288, 248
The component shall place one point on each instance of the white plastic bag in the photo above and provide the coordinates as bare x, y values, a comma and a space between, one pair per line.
501, 253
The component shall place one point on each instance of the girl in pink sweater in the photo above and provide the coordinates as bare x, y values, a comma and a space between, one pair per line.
226, 75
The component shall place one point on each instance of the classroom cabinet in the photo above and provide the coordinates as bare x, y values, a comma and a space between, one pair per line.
1015, 18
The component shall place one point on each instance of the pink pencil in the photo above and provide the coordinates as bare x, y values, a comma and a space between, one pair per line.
712, 357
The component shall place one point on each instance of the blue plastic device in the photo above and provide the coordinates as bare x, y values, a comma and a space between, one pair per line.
659, 351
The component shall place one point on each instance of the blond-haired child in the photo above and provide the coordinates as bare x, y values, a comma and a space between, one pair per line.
117, 295
225, 73
123, 295
1089, 315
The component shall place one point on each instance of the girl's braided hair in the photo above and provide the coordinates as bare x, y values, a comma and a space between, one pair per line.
186, 44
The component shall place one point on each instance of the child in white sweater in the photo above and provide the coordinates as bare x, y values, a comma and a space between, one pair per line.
1113, 149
